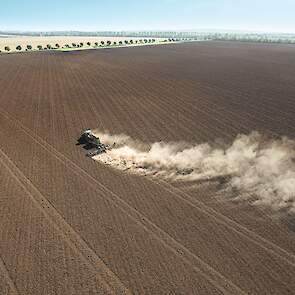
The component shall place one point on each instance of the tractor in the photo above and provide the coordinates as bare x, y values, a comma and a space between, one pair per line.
92, 143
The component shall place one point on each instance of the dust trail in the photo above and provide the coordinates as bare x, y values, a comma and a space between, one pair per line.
257, 168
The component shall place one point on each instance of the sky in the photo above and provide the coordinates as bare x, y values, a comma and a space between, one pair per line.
99, 15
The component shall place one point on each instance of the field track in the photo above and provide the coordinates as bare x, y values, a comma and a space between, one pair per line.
70, 225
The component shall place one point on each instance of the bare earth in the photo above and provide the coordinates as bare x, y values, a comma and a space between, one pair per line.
70, 225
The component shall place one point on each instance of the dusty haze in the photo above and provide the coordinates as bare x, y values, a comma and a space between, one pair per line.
257, 166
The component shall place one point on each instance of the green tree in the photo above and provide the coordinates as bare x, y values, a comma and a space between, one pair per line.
57, 45
29, 47
7, 48
18, 47
88, 43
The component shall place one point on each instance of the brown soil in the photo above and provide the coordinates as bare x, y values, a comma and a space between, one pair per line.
70, 225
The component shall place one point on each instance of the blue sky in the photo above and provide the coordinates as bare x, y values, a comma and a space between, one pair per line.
257, 15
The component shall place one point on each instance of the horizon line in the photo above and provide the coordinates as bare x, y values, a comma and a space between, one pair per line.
201, 30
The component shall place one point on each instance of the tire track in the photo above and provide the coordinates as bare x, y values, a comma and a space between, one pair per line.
111, 283
270, 247
9, 281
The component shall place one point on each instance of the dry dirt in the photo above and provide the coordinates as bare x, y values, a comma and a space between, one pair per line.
70, 225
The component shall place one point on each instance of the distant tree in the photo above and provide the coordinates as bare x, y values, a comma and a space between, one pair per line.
115, 43
48, 46
39, 47
126, 41
102, 43
120, 42
18, 48
67, 46
88, 43
29, 47
96, 44
57, 45
131, 41
145, 40
81, 44
109, 42
74, 44
7, 48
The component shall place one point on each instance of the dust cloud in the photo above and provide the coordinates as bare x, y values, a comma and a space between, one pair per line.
253, 166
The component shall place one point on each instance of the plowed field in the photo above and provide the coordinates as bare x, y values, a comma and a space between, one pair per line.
70, 225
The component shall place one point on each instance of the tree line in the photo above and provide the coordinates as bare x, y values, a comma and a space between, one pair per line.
82, 44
